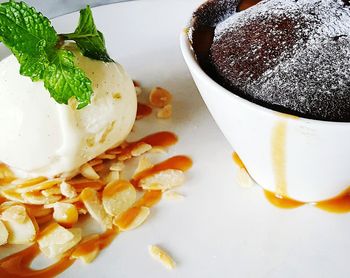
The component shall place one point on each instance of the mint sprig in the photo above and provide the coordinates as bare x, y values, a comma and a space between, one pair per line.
90, 41
32, 39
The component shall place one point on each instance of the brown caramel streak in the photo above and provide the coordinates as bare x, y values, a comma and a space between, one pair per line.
18, 265
282, 202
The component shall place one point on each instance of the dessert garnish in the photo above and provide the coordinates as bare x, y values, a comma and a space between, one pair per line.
40, 52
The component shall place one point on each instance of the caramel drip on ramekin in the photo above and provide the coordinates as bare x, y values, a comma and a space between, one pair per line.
278, 152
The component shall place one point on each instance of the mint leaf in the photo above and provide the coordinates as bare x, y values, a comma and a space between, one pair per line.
34, 42
29, 35
89, 40
64, 80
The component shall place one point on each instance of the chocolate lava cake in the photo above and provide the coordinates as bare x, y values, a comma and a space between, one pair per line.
289, 55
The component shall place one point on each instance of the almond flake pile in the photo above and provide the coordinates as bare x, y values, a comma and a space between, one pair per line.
47, 211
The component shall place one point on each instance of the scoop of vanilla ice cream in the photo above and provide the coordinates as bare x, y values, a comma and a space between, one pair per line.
40, 137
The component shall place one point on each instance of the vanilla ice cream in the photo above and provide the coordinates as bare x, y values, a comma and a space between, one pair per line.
40, 137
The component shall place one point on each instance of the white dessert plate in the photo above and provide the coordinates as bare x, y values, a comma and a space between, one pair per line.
219, 229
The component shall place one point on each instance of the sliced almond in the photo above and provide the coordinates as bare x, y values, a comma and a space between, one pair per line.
12, 195
6, 175
144, 164
166, 112
3, 233
88, 172
16, 213
118, 196
67, 190
140, 149
107, 156
65, 214
159, 97
132, 218
95, 208
55, 240
51, 191
117, 166
21, 229
163, 180
157, 149
36, 198
112, 176
38, 186
29, 182
163, 257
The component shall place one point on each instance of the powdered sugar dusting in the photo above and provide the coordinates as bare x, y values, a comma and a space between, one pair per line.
291, 54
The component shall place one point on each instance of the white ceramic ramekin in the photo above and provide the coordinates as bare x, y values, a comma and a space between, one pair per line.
306, 160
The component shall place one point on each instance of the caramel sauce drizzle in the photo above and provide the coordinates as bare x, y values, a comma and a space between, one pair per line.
159, 139
339, 204
238, 161
18, 264
143, 110
282, 202
278, 144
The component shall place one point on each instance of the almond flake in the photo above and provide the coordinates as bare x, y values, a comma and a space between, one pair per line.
88, 172
93, 204
65, 214
55, 240
68, 190
163, 257
3, 233
118, 196
166, 112
140, 149
144, 164
117, 166
163, 180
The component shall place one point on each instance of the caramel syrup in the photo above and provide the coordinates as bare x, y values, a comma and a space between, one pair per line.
159, 139
18, 265
282, 202
339, 204
278, 144
143, 110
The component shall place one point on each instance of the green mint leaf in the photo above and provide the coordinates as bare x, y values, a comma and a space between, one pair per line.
89, 40
64, 80
28, 34
34, 42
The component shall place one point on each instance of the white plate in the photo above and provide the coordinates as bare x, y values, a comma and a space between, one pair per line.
220, 229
